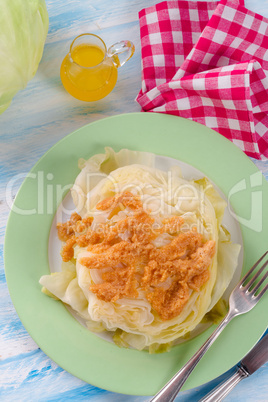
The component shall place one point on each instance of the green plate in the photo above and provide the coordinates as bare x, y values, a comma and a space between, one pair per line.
54, 329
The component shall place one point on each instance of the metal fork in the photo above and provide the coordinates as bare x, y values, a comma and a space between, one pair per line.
242, 299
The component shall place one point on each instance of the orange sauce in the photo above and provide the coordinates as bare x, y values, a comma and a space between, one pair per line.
88, 74
167, 274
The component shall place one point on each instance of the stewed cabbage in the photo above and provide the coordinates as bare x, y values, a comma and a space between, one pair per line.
149, 286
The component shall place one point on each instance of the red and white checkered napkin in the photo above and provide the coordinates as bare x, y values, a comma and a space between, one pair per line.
208, 62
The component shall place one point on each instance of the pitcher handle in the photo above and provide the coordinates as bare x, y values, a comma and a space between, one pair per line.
121, 52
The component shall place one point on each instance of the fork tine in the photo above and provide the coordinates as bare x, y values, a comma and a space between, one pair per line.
251, 270
257, 298
254, 290
250, 283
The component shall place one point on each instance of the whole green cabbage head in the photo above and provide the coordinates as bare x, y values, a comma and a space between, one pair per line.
23, 31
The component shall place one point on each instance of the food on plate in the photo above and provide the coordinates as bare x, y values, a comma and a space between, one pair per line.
145, 254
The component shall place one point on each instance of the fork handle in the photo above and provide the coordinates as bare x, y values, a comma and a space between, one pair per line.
170, 390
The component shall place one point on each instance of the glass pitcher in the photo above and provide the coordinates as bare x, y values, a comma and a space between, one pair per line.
89, 71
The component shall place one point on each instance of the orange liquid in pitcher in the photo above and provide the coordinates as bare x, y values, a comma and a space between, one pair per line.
88, 76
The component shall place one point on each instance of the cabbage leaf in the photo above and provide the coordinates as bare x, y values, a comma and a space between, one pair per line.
24, 27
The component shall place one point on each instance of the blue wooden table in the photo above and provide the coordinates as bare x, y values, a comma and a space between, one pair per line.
38, 117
